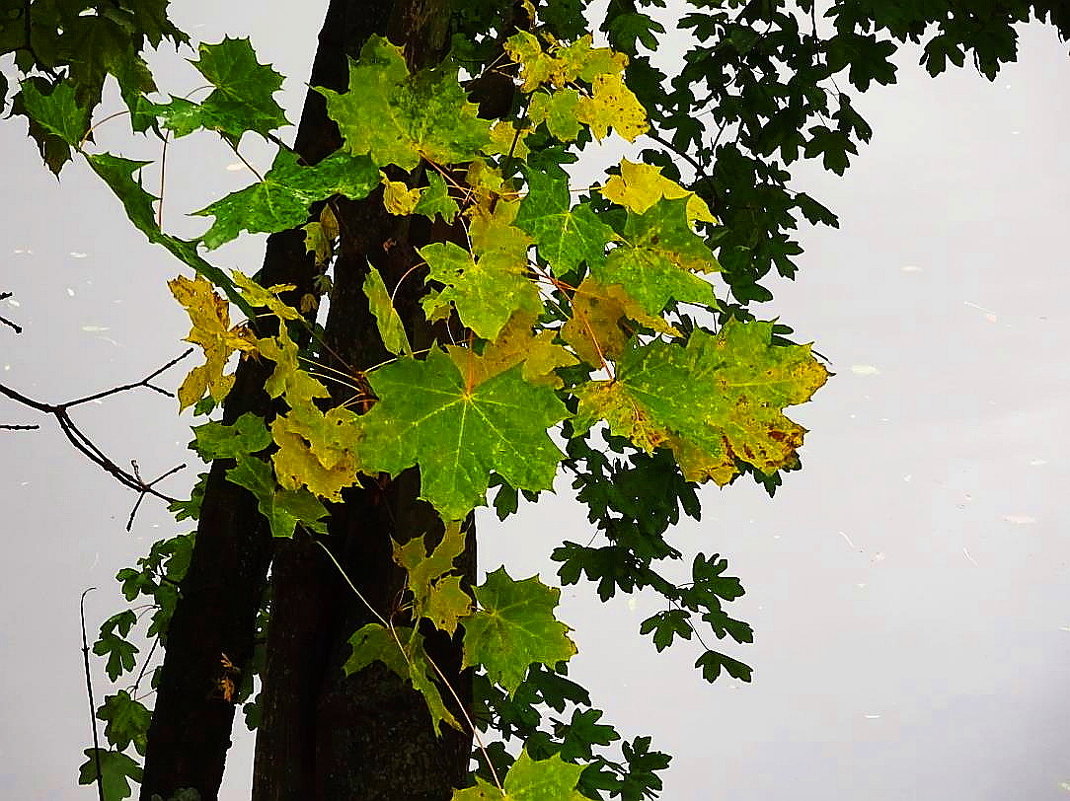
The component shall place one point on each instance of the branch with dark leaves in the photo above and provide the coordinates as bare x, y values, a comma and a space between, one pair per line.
83, 444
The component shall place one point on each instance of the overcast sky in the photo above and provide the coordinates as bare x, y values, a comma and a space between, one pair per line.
908, 589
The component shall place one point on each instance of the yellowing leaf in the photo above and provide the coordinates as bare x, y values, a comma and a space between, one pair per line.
612, 105
387, 320
213, 333
597, 329
507, 140
397, 197
551, 779
320, 236
437, 593
640, 186
316, 450
398, 118
577, 61
402, 650
716, 400
559, 110
516, 344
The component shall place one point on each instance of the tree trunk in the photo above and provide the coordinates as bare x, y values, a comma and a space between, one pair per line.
322, 736
368, 736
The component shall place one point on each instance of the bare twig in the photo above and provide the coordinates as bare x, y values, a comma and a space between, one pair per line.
92, 701
84, 445
13, 326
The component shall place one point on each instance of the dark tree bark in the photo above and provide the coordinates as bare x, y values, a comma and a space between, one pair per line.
322, 736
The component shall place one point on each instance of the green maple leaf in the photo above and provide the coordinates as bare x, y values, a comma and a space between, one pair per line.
435, 199
116, 771
656, 260
241, 101
118, 174
437, 595
282, 199
460, 432
283, 508
58, 113
391, 329
558, 110
127, 721
402, 650
399, 118
486, 291
119, 650
716, 400
249, 434
528, 779
565, 235
514, 628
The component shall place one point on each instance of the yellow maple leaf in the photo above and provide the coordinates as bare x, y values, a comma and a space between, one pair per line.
212, 332
397, 197
316, 450
597, 329
515, 344
611, 104
640, 186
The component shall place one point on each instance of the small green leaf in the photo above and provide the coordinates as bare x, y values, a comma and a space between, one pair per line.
249, 434
127, 721
283, 508
514, 628
435, 199
551, 779
116, 772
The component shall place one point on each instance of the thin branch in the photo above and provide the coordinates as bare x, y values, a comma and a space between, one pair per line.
84, 445
92, 701
16, 328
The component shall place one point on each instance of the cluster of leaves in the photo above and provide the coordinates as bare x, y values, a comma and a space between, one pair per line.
572, 313
760, 90
154, 581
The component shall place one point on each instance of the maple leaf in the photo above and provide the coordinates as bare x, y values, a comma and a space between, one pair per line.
514, 628
241, 101
459, 432
437, 593
508, 140
516, 344
565, 235
435, 200
559, 110
213, 333
399, 118
486, 291
116, 772
282, 199
655, 261
716, 400
402, 650
612, 104
528, 779
127, 721
247, 435
391, 329
596, 330
576, 61
640, 186
58, 113
320, 236
397, 197
317, 449
283, 508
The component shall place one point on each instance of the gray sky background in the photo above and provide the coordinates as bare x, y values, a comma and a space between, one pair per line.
909, 588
